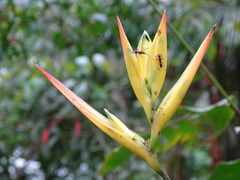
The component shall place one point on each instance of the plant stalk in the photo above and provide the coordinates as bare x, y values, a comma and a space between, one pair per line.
164, 176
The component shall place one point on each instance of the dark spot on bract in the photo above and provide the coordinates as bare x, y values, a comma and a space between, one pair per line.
73, 99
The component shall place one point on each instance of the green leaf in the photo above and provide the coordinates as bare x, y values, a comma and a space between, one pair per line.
172, 136
193, 110
220, 118
219, 115
117, 157
187, 130
227, 171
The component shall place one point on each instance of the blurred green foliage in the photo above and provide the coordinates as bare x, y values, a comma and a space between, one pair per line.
116, 158
229, 170
78, 42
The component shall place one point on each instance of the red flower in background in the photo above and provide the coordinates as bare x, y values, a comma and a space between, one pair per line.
77, 128
46, 131
54, 122
45, 136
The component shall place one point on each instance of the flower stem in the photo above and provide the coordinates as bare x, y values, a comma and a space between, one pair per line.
164, 176
203, 67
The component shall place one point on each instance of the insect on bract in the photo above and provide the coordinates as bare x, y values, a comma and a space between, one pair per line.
159, 58
137, 52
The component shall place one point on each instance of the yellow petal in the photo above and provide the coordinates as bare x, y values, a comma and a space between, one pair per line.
122, 127
144, 46
136, 145
134, 64
174, 97
157, 60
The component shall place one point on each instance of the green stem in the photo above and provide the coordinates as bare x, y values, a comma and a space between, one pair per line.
203, 67
164, 175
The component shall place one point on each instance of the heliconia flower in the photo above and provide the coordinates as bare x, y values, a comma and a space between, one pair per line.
174, 97
45, 136
112, 126
147, 65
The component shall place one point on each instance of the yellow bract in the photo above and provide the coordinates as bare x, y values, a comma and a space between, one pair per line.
146, 66
157, 60
112, 126
174, 97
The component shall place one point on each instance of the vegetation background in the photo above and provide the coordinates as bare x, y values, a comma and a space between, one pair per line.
42, 136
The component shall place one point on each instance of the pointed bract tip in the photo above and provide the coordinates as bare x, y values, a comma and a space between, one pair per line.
119, 23
213, 29
164, 12
106, 111
37, 66
45, 73
40, 69
164, 16
215, 26
118, 20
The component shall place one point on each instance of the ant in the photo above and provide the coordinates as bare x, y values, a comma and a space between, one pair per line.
137, 52
160, 60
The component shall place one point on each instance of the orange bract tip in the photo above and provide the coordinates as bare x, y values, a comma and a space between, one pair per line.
123, 37
46, 74
164, 17
119, 24
97, 118
215, 26
213, 29
40, 69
